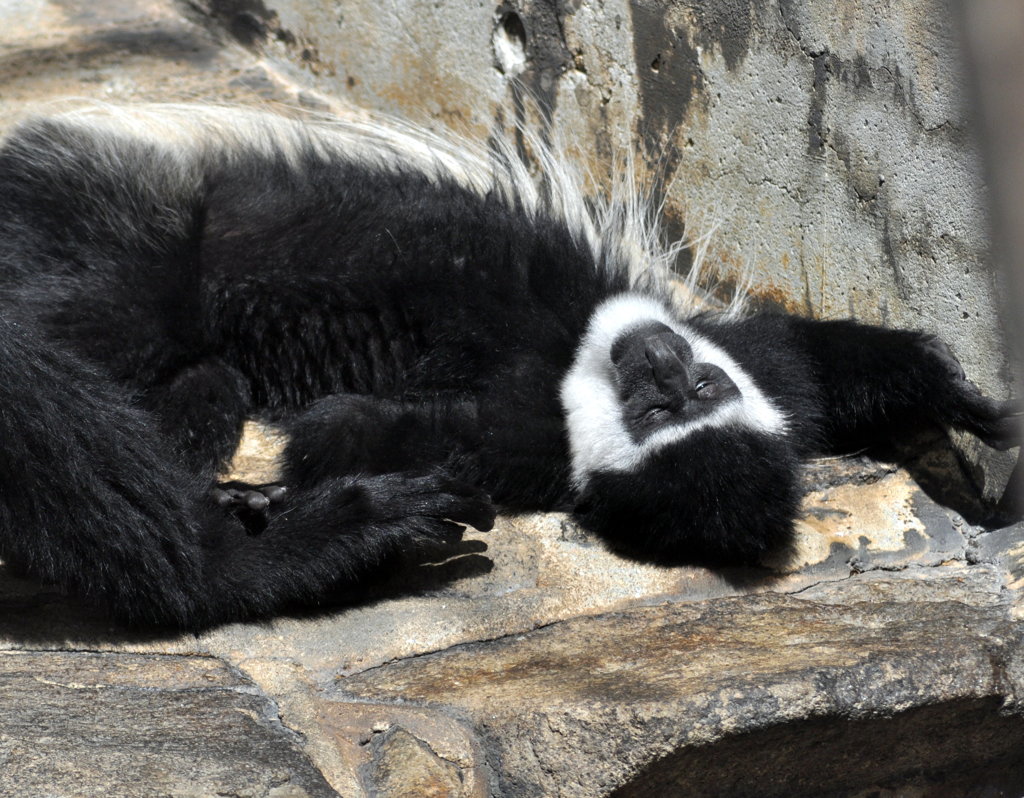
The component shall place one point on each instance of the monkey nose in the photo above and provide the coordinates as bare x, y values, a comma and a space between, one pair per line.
668, 355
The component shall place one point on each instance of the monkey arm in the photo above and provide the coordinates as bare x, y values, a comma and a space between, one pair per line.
509, 439
851, 384
879, 380
347, 434
845, 385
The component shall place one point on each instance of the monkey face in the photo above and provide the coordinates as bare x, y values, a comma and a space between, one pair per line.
659, 383
705, 475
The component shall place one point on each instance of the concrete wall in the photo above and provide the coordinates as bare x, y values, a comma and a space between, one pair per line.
827, 143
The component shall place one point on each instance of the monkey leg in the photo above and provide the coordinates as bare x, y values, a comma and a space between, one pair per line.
201, 410
336, 534
357, 434
94, 501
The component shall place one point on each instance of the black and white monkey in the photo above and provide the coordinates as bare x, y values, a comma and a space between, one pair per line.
434, 331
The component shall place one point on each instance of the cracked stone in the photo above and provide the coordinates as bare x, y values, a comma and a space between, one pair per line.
405, 750
78, 723
405, 767
652, 691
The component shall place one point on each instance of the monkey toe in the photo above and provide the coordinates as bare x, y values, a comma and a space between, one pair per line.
251, 504
434, 495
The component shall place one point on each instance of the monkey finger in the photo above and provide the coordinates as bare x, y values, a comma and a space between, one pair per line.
255, 500
997, 424
477, 511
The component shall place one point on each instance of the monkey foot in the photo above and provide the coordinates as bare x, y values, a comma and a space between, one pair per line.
252, 504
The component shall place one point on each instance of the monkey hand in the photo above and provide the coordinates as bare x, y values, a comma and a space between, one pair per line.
996, 423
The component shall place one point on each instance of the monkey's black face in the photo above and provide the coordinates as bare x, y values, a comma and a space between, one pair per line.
659, 383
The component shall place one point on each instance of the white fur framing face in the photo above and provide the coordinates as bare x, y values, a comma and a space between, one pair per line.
598, 438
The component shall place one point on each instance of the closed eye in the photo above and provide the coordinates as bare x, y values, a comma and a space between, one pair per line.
655, 413
706, 389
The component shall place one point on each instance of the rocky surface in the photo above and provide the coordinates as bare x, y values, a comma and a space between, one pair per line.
884, 654
536, 663
81, 723
637, 700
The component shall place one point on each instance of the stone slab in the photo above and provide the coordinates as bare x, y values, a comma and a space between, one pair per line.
85, 724
591, 705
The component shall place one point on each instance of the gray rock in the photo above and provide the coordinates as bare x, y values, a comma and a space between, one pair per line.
84, 724
808, 697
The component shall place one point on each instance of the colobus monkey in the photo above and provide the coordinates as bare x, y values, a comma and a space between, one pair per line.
435, 331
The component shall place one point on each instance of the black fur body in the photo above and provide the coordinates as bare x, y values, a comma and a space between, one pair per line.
413, 332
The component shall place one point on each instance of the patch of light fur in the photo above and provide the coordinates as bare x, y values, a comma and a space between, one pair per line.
359, 137
631, 232
598, 438
703, 278
557, 189
187, 131
171, 178
632, 240
622, 229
